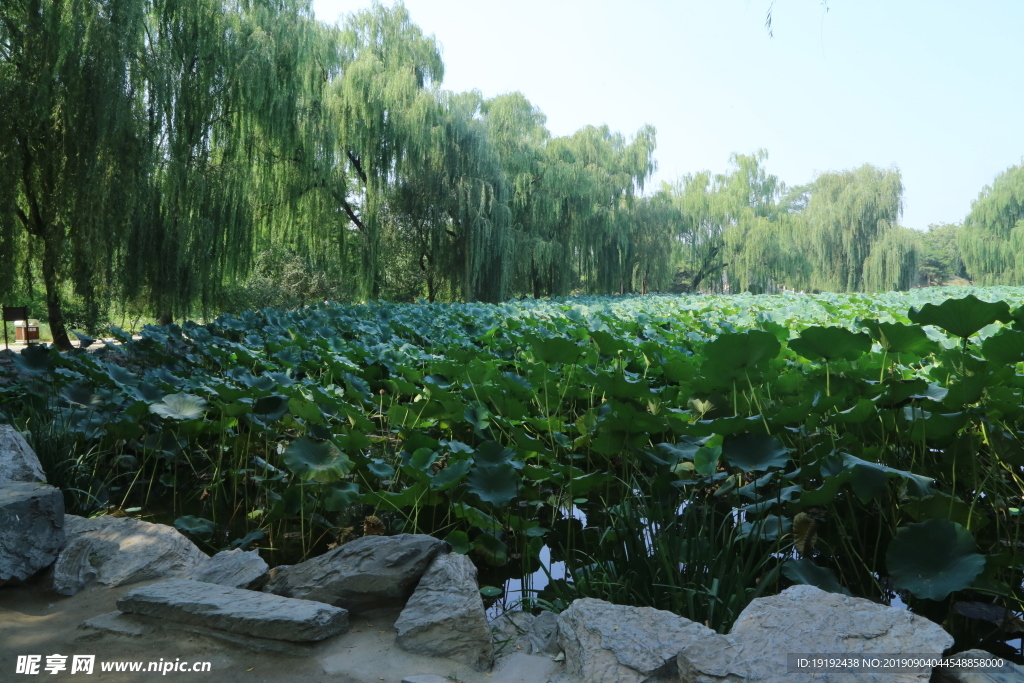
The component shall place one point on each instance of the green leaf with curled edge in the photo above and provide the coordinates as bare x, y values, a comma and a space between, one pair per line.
933, 559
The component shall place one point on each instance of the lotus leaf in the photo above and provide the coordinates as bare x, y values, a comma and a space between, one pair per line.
933, 559
755, 452
494, 484
961, 317
805, 572
830, 343
316, 461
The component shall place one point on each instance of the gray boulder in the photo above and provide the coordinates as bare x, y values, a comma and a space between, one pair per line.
1008, 673
805, 619
369, 573
543, 634
445, 616
510, 632
31, 528
236, 568
235, 610
18, 462
115, 551
606, 643
518, 631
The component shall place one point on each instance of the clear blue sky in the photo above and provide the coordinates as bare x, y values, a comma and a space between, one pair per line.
932, 87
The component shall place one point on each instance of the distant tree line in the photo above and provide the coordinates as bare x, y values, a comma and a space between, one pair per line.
168, 158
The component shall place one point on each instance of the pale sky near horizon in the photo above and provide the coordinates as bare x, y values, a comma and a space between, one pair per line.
930, 87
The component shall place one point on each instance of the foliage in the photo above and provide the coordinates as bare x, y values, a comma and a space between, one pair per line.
612, 433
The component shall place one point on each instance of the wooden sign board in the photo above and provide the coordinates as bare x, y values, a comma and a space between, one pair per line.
12, 313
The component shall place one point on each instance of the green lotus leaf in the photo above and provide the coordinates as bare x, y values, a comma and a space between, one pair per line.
380, 469
961, 317
767, 529
451, 475
459, 542
900, 338
180, 407
316, 460
933, 559
476, 517
741, 350
342, 495
197, 526
805, 572
1005, 347
490, 591
755, 452
270, 408
555, 350
491, 548
494, 484
830, 343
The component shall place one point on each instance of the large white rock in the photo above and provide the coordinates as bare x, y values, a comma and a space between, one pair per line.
115, 551
235, 610
18, 462
807, 620
236, 568
369, 573
445, 616
31, 528
606, 643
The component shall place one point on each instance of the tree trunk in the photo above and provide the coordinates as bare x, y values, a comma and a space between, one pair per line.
53, 306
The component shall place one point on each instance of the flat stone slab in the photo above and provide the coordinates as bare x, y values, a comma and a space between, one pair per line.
369, 573
807, 620
18, 462
31, 528
236, 610
116, 551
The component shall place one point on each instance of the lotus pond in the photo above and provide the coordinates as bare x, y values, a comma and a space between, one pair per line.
686, 452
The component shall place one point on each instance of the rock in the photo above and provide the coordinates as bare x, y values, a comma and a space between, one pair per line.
18, 462
235, 610
31, 528
427, 678
510, 632
543, 634
805, 619
114, 551
116, 622
519, 631
1008, 673
372, 572
445, 616
606, 643
236, 568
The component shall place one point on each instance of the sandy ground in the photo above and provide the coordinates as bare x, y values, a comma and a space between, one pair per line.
34, 621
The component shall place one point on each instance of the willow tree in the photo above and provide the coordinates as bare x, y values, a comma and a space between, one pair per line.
584, 180
385, 101
893, 261
72, 142
847, 215
992, 237
450, 205
223, 92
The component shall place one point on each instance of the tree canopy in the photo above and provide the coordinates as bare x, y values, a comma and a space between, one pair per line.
169, 157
